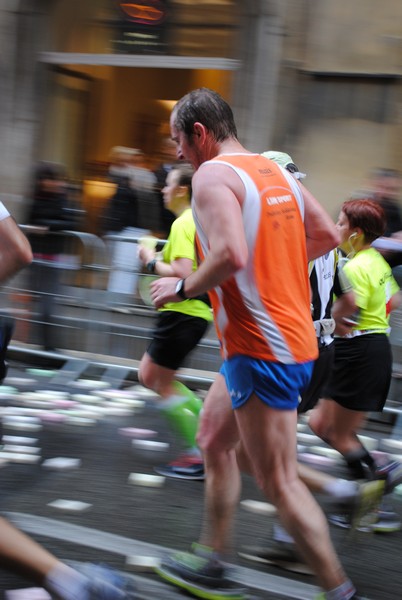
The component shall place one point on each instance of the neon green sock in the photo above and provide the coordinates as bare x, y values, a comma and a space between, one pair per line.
195, 403
178, 411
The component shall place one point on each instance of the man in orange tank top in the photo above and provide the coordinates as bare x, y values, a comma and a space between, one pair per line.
257, 228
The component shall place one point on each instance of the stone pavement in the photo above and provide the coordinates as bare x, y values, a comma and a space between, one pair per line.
105, 516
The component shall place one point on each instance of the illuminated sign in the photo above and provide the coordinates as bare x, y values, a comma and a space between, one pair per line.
146, 12
141, 27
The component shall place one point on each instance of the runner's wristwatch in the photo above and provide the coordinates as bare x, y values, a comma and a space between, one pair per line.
150, 266
180, 289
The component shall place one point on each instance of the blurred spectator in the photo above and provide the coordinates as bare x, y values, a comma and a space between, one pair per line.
385, 188
121, 217
121, 210
387, 185
168, 161
145, 184
49, 212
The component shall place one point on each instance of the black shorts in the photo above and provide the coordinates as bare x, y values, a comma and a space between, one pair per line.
174, 337
321, 371
361, 374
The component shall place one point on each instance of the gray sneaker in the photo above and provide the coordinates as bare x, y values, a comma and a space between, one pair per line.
105, 583
387, 520
202, 573
383, 520
202, 565
391, 472
344, 520
367, 503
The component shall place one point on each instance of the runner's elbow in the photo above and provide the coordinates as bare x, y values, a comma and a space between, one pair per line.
25, 256
238, 260
330, 238
336, 238
320, 245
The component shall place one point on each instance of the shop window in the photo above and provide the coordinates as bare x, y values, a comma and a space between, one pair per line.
172, 27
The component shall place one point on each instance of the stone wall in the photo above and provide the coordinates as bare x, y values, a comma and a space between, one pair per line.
21, 22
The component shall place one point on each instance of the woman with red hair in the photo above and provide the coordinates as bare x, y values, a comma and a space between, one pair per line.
361, 374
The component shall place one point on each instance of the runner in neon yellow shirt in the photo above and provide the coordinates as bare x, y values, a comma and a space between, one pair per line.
179, 328
374, 287
361, 375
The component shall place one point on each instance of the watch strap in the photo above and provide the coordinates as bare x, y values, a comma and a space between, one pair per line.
180, 290
150, 266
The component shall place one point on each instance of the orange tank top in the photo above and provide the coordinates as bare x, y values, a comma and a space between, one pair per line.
263, 310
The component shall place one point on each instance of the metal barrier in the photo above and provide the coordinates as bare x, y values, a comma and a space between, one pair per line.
86, 316
40, 296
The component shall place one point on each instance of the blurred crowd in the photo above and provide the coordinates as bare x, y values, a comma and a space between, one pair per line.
133, 208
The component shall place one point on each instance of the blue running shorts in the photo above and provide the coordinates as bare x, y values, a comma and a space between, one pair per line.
277, 384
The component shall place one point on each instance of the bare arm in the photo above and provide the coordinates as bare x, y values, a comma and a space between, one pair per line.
15, 250
217, 192
321, 233
180, 267
395, 301
344, 308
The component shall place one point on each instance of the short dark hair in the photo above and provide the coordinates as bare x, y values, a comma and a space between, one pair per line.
49, 170
185, 175
366, 214
46, 170
209, 108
